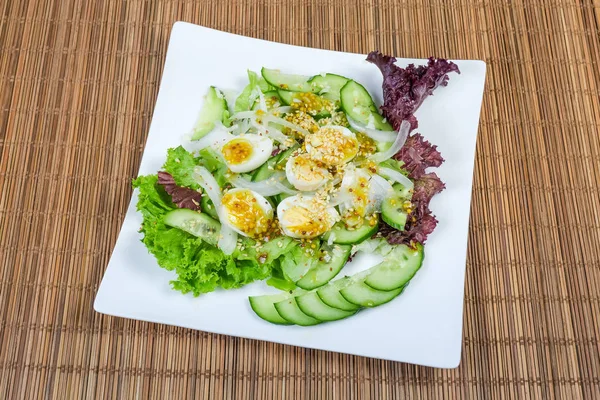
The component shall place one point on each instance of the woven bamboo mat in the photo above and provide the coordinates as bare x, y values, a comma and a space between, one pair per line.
78, 82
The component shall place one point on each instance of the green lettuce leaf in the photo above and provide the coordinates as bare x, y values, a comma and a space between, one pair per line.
246, 99
180, 164
200, 267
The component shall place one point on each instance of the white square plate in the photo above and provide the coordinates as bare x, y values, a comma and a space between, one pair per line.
423, 325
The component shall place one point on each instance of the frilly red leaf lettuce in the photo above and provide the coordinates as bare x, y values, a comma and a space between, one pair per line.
404, 89
183, 197
417, 154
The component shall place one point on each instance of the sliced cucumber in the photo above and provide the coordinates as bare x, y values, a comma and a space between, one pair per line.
294, 83
208, 207
212, 111
330, 295
342, 235
322, 272
264, 307
363, 295
288, 309
402, 191
397, 270
194, 223
329, 85
311, 305
288, 97
393, 213
358, 104
266, 170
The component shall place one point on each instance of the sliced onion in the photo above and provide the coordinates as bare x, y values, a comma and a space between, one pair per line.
281, 110
287, 124
375, 134
268, 187
271, 132
379, 190
244, 114
215, 139
209, 184
227, 237
396, 146
396, 177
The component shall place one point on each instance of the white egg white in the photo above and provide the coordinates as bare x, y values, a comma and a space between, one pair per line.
304, 173
326, 147
299, 217
358, 198
227, 213
261, 149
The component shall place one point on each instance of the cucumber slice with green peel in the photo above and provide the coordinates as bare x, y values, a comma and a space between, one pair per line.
358, 104
275, 163
288, 97
393, 212
330, 295
322, 272
363, 295
264, 307
194, 223
311, 305
291, 82
266, 170
343, 235
329, 85
208, 207
288, 309
383, 146
213, 110
402, 191
397, 270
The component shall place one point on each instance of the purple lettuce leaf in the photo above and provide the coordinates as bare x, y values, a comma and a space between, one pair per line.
405, 89
183, 197
417, 154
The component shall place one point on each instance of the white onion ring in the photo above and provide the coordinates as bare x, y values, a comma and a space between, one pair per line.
375, 134
396, 176
271, 132
379, 190
214, 138
228, 237
396, 146
268, 187
287, 124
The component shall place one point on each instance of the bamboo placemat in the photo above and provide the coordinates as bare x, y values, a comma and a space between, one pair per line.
78, 82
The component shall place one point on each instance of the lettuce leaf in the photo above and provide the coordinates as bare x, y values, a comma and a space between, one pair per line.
405, 89
184, 197
200, 267
246, 99
180, 164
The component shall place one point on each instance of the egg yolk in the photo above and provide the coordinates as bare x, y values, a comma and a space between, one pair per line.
307, 223
331, 146
237, 151
307, 169
245, 213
